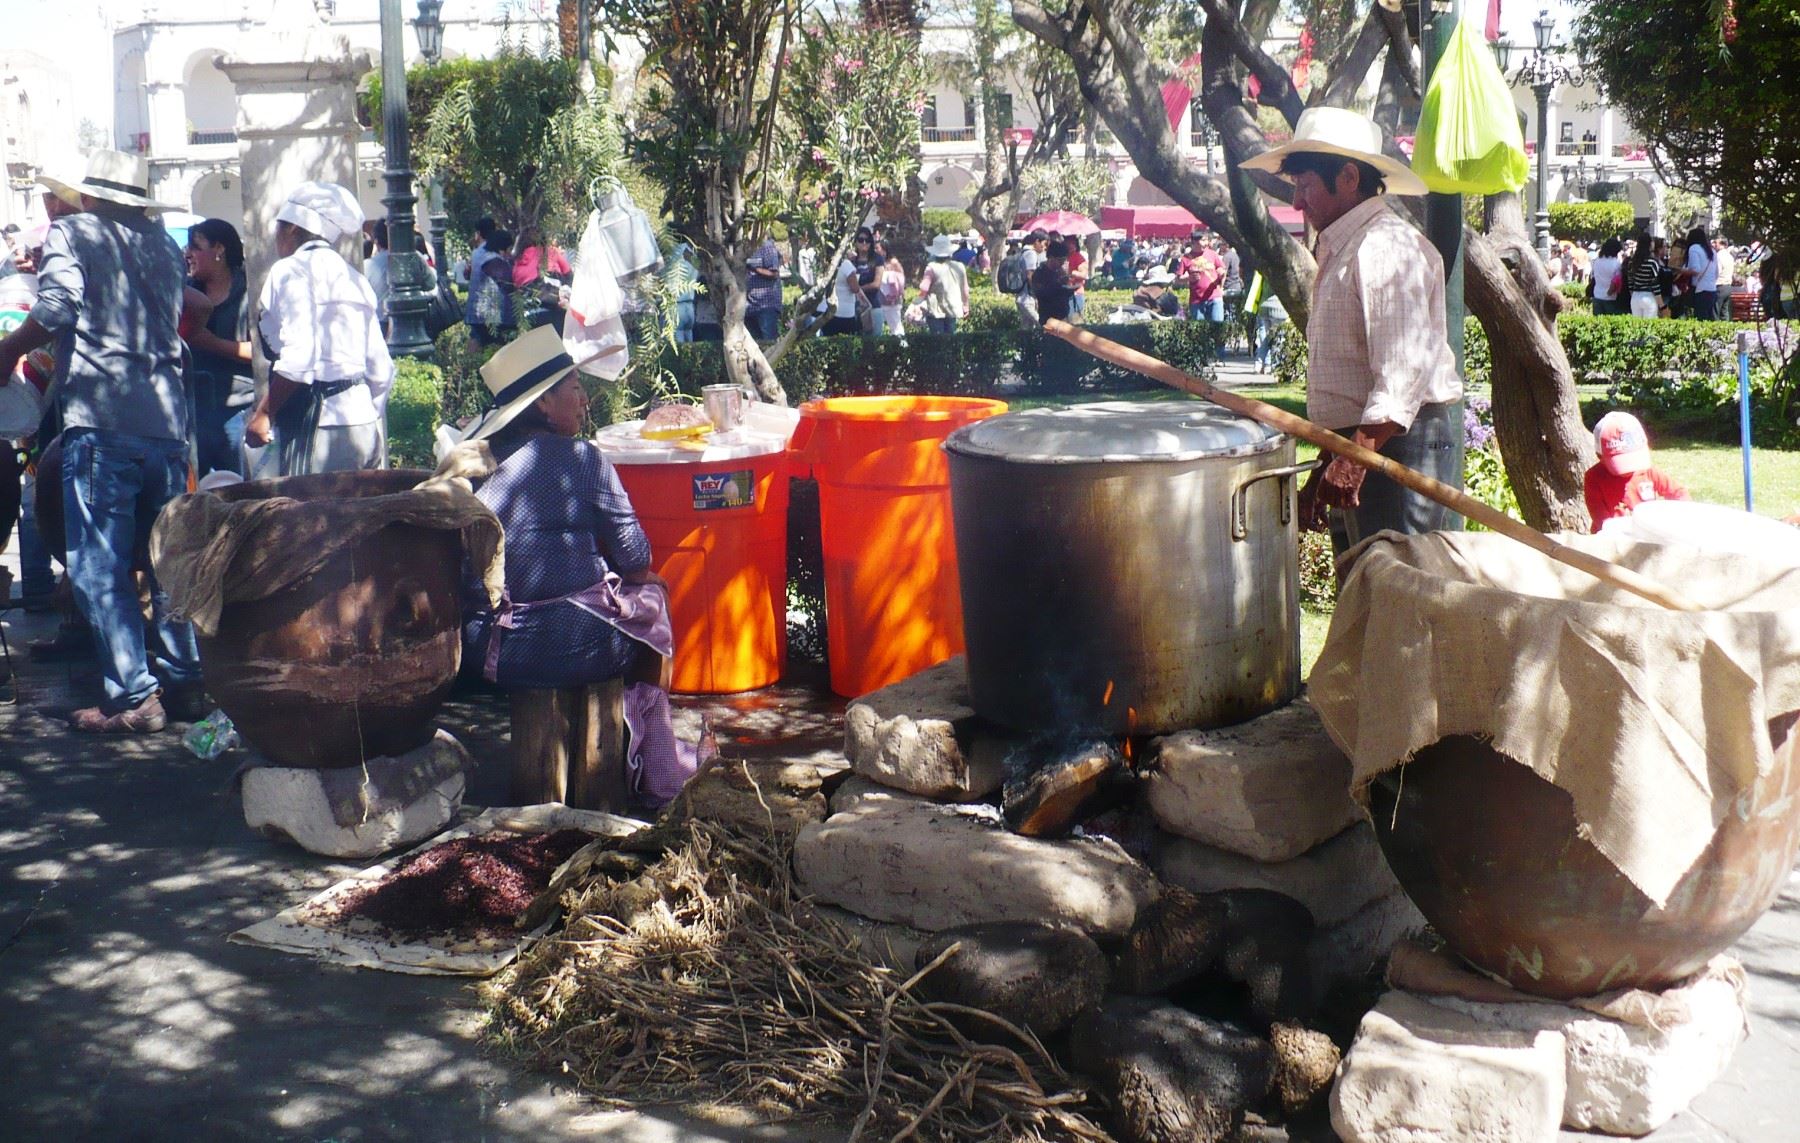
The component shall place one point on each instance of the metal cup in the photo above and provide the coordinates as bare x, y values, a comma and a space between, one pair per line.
724, 406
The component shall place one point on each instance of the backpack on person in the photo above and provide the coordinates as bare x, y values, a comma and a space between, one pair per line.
1010, 277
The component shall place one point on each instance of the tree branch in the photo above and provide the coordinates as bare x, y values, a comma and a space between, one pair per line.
1277, 86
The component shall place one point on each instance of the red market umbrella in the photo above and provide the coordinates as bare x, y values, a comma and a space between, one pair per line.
1063, 222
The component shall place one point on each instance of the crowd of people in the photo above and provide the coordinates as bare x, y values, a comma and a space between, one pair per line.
1696, 277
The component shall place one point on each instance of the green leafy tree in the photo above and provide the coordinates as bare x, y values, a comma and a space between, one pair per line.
1080, 185
1709, 84
513, 137
1683, 210
755, 116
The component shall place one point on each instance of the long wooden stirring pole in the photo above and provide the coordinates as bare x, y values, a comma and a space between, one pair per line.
1604, 570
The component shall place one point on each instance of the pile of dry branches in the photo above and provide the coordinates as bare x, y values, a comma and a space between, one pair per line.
704, 979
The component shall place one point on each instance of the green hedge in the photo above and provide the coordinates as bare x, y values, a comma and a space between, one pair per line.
1590, 221
983, 362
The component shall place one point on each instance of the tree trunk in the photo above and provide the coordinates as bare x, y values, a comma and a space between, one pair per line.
568, 27
1537, 415
744, 360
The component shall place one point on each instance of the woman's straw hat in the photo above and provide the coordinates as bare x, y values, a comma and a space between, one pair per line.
518, 375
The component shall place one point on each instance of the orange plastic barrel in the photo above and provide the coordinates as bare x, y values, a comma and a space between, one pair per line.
717, 523
893, 605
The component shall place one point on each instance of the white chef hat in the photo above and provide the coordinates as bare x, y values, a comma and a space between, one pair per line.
325, 209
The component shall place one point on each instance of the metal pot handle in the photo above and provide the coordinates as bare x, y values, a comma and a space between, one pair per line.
1240, 496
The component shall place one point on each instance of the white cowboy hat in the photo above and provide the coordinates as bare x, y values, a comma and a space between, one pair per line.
1336, 131
1158, 276
942, 246
325, 209
112, 176
973, 236
518, 375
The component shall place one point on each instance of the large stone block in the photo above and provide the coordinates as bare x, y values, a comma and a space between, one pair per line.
1269, 789
1170, 1075
407, 798
1630, 1078
1333, 880
1419, 1072
915, 735
933, 866
1352, 947
1029, 974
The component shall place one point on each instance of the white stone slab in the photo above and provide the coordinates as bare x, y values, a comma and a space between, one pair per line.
912, 735
1269, 789
1334, 880
1419, 1072
1630, 1079
933, 866
291, 803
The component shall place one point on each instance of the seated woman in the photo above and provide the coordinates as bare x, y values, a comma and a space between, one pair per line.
581, 604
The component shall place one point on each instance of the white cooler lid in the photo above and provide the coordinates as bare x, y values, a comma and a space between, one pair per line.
1114, 431
766, 429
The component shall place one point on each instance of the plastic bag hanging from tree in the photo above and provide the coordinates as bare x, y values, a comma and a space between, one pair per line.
1469, 140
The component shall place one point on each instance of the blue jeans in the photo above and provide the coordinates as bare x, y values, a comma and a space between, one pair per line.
1213, 311
940, 325
114, 484
684, 320
37, 578
765, 325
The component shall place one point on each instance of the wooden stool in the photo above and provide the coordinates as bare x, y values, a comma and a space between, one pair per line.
568, 746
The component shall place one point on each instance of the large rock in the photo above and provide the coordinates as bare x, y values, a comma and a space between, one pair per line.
1266, 938
1171, 1076
1031, 975
1333, 880
857, 790
753, 794
1630, 1078
894, 947
405, 799
934, 866
1357, 945
1269, 789
914, 735
1418, 1072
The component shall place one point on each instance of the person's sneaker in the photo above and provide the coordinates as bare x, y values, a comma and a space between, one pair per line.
145, 718
185, 702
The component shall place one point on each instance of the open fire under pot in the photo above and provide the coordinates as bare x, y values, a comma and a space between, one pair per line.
1127, 568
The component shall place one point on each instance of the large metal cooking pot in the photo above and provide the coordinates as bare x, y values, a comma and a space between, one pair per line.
1127, 567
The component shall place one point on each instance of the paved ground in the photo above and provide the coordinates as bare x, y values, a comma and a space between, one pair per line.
124, 1014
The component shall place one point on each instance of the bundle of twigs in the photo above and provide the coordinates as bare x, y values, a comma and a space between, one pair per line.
706, 979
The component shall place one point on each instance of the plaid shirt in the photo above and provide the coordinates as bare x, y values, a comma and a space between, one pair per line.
1375, 346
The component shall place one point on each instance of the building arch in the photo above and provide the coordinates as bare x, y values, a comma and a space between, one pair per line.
950, 186
209, 100
219, 193
131, 119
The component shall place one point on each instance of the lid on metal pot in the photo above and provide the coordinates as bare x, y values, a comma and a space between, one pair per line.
1114, 431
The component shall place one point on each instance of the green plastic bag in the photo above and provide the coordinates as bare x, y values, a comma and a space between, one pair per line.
1468, 140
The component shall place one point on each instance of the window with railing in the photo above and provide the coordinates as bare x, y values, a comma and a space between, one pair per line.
1200, 132
930, 132
208, 138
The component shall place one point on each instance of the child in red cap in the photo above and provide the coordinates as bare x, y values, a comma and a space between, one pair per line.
1623, 478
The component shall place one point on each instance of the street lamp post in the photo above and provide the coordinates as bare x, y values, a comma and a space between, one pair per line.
409, 300
430, 30
1542, 72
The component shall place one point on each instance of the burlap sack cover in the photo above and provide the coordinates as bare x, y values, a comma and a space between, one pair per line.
1654, 721
208, 551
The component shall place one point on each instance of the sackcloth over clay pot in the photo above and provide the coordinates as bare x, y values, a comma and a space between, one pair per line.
1581, 791
328, 607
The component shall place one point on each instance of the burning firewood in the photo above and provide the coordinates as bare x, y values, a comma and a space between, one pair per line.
1071, 784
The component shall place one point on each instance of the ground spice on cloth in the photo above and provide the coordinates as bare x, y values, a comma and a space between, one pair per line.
469, 886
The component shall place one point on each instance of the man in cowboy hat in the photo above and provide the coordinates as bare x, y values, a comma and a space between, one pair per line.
1154, 295
329, 369
1378, 367
109, 297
